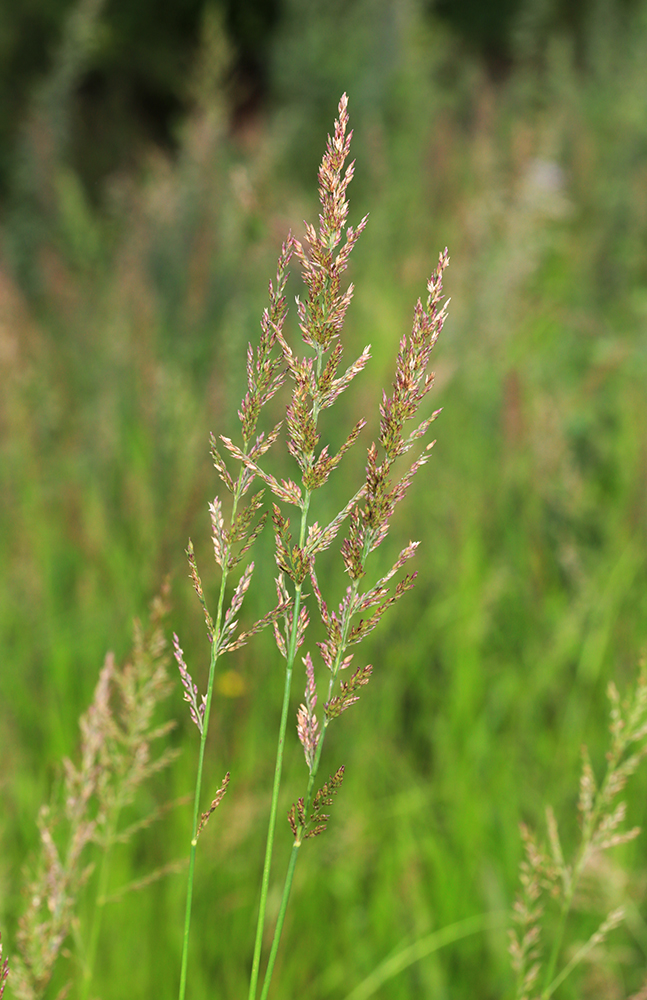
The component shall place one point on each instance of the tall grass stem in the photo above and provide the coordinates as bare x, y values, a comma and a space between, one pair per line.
278, 769
198, 783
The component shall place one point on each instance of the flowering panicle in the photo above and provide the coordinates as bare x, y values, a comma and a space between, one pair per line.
191, 693
601, 818
342, 701
268, 619
307, 725
322, 317
412, 380
303, 825
316, 385
411, 385
217, 799
368, 525
230, 623
525, 949
317, 378
197, 586
283, 640
240, 531
265, 375
264, 372
320, 539
116, 756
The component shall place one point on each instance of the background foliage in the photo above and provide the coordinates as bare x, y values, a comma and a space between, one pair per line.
153, 160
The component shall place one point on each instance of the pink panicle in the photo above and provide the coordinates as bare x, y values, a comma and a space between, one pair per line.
307, 725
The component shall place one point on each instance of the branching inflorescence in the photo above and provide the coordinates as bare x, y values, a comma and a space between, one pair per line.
545, 874
118, 738
317, 381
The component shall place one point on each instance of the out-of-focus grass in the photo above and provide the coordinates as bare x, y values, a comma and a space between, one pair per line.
532, 586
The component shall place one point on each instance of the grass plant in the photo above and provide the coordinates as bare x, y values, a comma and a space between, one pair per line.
115, 749
545, 874
317, 384
533, 526
118, 733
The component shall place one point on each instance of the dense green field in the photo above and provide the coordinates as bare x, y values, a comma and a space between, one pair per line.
123, 332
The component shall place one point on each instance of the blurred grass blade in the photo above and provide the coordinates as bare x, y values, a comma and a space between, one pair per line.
397, 963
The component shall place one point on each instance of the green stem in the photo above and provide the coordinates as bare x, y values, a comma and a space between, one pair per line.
287, 886
281, 917
568, 968
278, 768
557, 944
433, 942
307, 802
194, 829
198, 783
269, 846
253, 985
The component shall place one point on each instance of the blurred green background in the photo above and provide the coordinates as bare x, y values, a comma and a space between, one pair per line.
154, 156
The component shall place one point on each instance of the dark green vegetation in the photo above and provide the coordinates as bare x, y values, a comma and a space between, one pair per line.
124, 320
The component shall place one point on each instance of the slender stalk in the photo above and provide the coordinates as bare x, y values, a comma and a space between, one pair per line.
281, 917
566, 971
294, 854
557, 945
278, 769
433, 942
287, 886
306, 809
194, 829
198, 783
269, 846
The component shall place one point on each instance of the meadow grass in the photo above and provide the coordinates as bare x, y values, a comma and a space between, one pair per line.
533, 528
